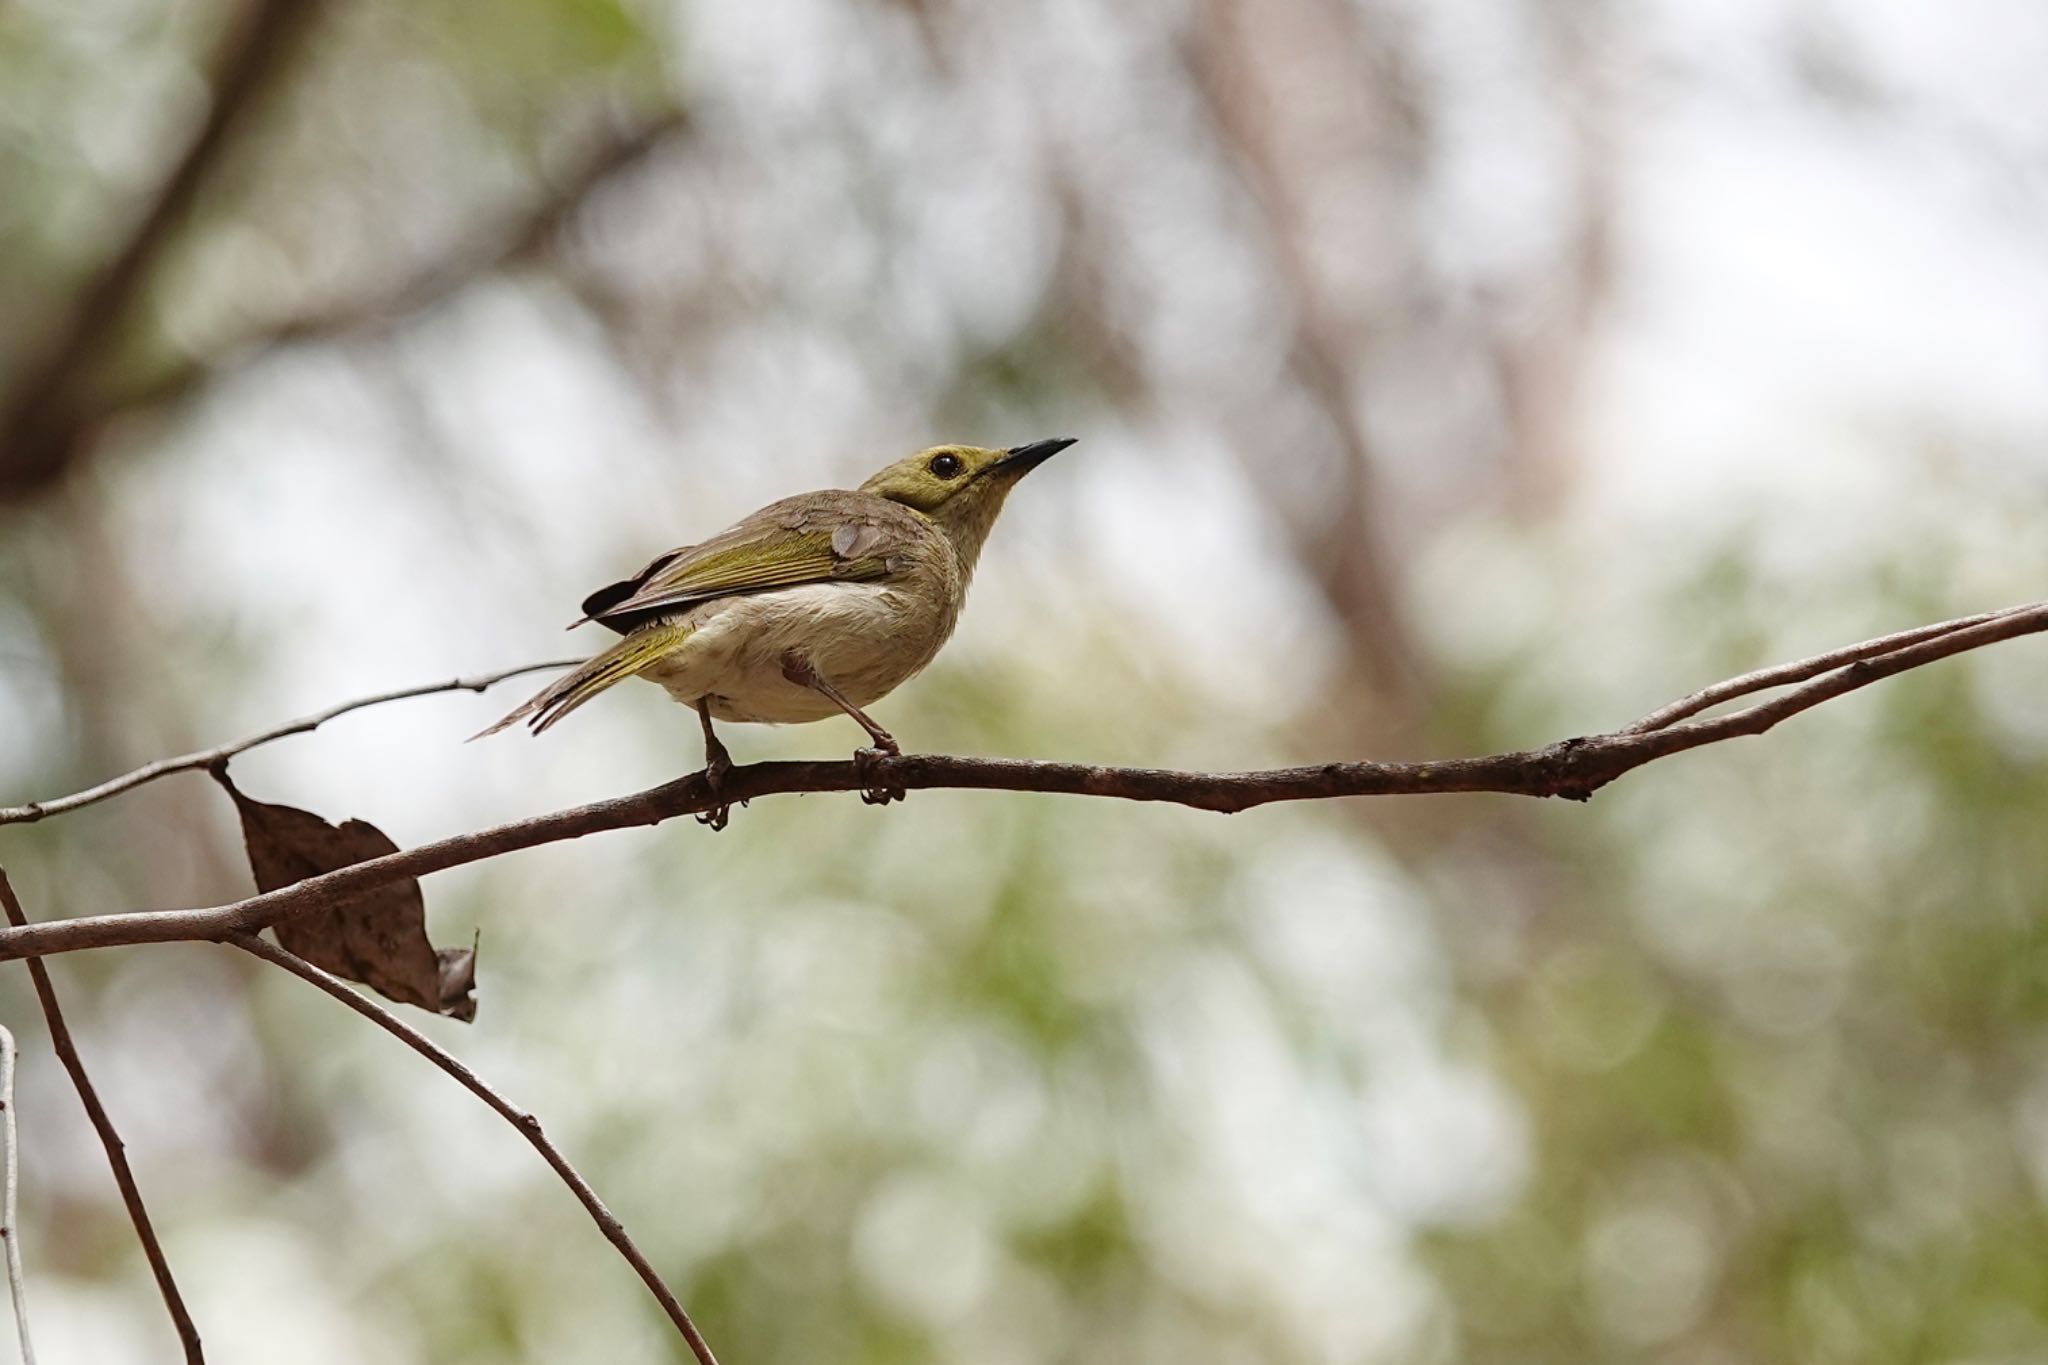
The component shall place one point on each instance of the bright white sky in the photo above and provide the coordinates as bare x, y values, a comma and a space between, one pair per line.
1800, 284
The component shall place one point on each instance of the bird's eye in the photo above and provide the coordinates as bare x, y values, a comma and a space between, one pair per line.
947, 466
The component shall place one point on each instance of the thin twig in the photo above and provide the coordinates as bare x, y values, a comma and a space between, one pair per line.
529, 1126
1783, 675
117, 1156
207, 758
10, 1178
1572, 768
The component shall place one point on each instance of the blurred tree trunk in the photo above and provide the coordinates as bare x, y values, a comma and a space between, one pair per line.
1324, 112
1280, 82
126, 686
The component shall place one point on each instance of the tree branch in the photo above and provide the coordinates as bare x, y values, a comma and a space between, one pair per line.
41, 421
1571, 768
1784, 675
10, 1175
117, 1157
207, 758
529, 1126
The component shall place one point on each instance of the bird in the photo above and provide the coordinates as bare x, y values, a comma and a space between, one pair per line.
817, 605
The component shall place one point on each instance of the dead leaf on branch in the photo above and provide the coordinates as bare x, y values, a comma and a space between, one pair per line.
379, 937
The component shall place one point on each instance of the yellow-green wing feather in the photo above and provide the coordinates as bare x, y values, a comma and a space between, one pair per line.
765, 559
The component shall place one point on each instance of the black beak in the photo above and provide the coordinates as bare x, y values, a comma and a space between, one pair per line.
1037, 453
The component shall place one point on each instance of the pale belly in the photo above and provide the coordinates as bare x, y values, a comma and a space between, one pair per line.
865, 638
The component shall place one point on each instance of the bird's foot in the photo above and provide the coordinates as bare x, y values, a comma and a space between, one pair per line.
870, 763
717, 763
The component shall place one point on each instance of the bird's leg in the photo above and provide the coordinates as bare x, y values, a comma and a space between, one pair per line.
717, 763
717, 759
798, 670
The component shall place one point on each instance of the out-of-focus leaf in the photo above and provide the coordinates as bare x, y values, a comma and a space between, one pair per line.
378, 938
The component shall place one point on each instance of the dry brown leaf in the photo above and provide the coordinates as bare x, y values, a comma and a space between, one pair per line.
378, 938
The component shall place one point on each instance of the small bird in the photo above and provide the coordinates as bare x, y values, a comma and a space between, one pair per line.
818, 604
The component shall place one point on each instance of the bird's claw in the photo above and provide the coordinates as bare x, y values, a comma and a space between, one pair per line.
879, 791
719, 816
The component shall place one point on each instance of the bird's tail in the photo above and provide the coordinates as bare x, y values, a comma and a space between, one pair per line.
615, 665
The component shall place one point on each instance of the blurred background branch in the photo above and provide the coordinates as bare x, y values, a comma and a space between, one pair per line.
522, 239
48, 411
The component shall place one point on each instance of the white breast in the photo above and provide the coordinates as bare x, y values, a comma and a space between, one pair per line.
866, 638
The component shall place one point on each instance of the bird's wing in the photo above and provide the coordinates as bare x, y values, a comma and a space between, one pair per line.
750, 558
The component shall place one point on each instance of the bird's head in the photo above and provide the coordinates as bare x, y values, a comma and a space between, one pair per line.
962, 488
